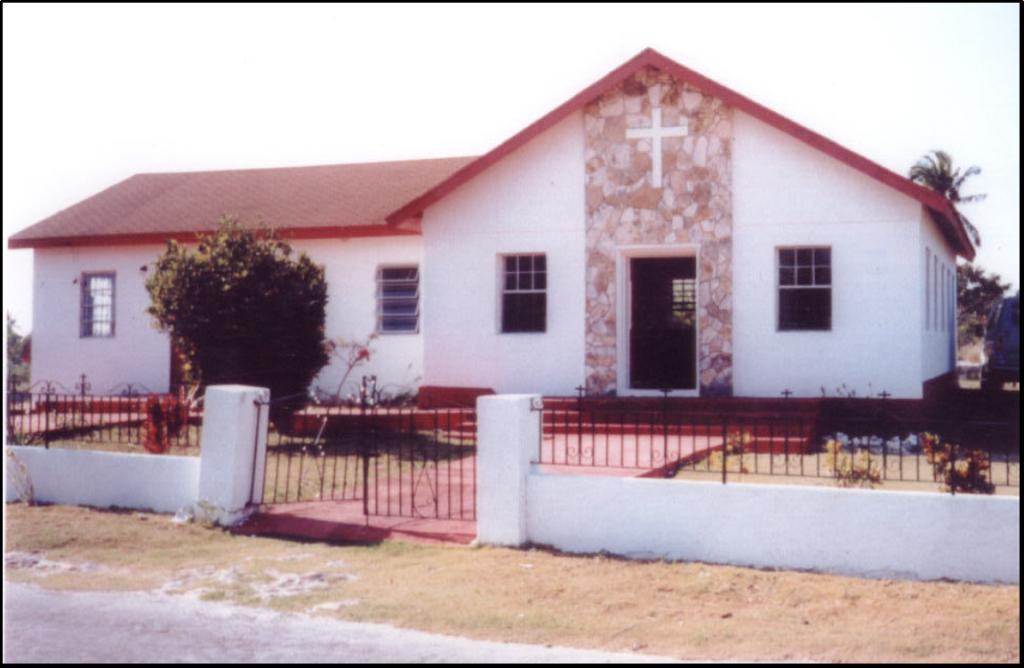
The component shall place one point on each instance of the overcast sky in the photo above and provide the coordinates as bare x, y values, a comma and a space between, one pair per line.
92, 95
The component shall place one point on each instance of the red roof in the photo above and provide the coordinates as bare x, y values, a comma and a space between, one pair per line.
303, 202
941, 210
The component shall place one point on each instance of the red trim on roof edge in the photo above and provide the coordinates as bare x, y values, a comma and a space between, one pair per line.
340, 232
936, 203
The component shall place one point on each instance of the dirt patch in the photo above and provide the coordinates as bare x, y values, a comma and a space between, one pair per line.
263, 585
38, 565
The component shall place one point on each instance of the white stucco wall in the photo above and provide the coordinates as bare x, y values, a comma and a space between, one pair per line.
233, 451
137, 353
221, 485
162, 483
351, 269
869, 533
507, 430
857, 532
937, 295
532, 201
140, 354
788, 194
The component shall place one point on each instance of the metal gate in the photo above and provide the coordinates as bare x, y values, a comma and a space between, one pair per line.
397, 462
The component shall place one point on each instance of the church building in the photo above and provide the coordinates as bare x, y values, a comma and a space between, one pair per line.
656, 231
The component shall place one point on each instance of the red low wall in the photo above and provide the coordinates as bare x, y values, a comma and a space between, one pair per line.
347, 421
436, 396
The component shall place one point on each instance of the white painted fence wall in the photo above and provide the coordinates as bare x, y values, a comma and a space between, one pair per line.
856, 532
164, 484
218, 485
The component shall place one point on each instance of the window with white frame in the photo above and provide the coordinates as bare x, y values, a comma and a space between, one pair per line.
96, 315
805, 288
398, 300
524, 294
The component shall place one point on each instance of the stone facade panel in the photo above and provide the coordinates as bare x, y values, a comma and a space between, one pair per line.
692, 204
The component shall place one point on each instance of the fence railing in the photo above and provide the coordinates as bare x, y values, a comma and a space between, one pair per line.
869, 447
129, 421
399, 460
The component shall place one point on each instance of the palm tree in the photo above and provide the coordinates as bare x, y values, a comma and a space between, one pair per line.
936, 171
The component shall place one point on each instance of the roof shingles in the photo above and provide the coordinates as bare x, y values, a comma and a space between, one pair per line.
329, 199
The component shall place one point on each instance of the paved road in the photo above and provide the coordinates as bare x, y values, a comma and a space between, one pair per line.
46, 626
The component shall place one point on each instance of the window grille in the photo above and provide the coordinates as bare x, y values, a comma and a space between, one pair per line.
398, 300
805, 289
524, 294
97, 310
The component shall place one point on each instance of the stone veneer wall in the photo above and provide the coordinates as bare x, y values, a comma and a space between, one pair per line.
694, 206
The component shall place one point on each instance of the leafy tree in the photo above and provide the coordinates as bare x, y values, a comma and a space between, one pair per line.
17, 346
935, 171
977, 292
241, 309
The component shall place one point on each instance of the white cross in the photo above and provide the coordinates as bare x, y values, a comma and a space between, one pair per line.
655, 134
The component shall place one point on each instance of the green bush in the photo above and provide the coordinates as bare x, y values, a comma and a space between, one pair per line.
243, 310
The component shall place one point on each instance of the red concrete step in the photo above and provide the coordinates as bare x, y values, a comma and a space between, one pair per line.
347, 420
796, 445
571, 416
699, 427
689, 405
436, 396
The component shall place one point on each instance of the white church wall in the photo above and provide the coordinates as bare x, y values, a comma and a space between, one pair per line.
350, 267
140, 354
937, 296
532, 201
137, 353
787, 194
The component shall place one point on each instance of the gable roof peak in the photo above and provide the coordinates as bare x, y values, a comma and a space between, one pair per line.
938, 206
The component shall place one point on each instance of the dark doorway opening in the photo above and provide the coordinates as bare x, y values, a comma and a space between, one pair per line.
663, 323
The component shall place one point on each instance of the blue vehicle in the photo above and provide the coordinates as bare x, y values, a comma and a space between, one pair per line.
1002, 345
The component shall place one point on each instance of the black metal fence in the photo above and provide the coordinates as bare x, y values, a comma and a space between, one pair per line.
128, 419
862, 442
397, 461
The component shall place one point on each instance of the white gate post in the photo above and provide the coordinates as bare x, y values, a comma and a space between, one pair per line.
231, 452
508, 437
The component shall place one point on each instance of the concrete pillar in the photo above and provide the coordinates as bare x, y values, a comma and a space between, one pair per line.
508, 438
231, 452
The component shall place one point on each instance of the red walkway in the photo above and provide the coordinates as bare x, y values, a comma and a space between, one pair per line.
420, 493
343, 521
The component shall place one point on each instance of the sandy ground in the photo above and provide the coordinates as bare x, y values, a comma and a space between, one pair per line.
532, 596
43, 626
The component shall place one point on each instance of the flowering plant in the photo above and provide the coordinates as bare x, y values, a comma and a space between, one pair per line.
851, 470
352, 354
959, 469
